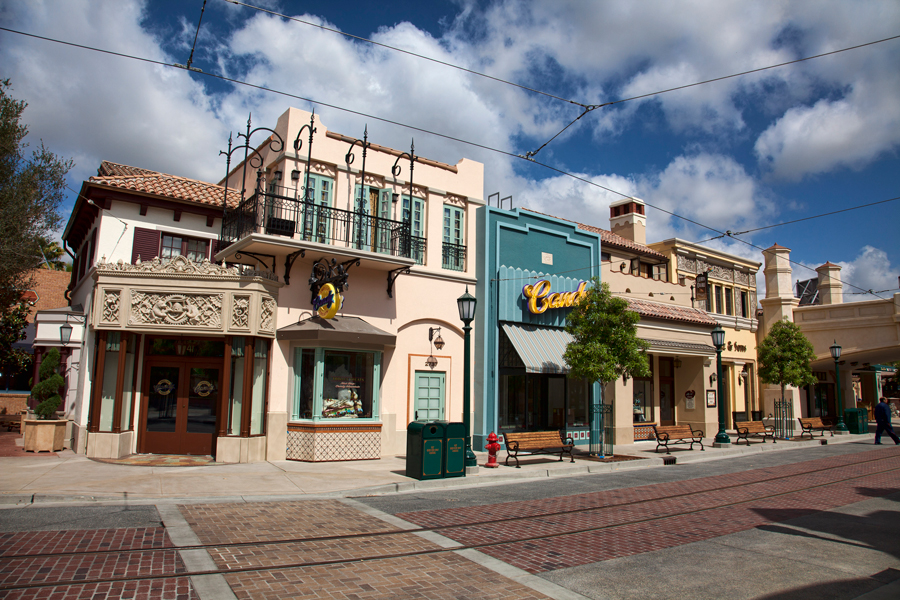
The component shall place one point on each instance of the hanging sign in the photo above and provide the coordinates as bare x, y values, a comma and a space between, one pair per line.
540, 298
328, 302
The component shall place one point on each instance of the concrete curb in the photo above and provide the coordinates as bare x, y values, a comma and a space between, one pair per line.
486, 477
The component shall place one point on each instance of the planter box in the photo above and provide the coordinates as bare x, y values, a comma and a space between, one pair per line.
44, 436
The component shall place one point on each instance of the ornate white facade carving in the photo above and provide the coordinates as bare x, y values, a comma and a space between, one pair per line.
267, 315
176, 309
687, 265
111, 302
240, 312
179, 265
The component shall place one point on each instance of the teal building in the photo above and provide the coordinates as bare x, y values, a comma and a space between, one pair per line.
530, 268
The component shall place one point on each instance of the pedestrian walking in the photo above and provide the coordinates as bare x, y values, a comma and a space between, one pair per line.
883, 422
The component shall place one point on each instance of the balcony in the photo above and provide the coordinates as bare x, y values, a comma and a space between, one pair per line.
269, 226
453, 257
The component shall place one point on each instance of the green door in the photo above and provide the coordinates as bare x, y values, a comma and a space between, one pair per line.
429, 396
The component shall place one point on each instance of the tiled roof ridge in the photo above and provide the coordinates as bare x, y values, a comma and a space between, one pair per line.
672, 312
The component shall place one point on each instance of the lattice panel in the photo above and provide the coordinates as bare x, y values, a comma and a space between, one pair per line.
322, 446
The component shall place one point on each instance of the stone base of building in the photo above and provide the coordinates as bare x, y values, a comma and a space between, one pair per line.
321, 442
240, 450
109, 445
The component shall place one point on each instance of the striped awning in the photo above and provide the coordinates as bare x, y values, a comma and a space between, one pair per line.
540, 348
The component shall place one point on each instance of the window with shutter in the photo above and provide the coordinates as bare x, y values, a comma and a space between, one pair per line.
145, 244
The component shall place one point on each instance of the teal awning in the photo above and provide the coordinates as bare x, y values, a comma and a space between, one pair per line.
540, 348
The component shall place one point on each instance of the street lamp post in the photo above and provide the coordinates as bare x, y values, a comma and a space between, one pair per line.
718, 339
466, 304
836, 354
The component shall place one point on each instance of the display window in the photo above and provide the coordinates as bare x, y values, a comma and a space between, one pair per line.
336, 384
643, 396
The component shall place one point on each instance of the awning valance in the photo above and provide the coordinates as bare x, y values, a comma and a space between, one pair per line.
344, 330
540, 348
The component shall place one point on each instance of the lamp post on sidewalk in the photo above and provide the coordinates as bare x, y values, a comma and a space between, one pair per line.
836, 354
718, 339
466, 304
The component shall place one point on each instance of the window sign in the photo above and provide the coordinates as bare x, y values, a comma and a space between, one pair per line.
540, 298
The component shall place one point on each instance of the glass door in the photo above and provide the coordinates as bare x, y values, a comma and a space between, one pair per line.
666, 391
429, 396
181, 407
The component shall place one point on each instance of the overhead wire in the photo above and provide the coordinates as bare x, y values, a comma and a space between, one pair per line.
410, 53
420, 129
196, 35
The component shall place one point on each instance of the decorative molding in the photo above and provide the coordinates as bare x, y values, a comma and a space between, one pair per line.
753, 281
240, 312
323, 169
176, 310
111, 302
267, 315
722, 273
687, 265
180, 265
459, 201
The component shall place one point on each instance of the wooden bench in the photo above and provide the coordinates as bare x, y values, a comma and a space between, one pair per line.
677, 434
755, 428
537, 442
11, 422
811, 424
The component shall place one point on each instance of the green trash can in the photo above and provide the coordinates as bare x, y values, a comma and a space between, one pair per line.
455, 454
425, 450
856, 420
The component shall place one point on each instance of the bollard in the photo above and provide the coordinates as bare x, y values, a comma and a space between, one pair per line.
492, 447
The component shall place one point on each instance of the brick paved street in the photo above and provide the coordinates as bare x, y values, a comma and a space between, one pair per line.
560, 541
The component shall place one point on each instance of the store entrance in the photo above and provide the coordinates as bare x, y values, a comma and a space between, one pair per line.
179, 412
666, 391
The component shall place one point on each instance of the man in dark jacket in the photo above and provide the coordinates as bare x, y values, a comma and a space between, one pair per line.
883, 420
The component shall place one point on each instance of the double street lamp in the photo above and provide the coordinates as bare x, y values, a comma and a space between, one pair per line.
718, 340
466, 304
836, 354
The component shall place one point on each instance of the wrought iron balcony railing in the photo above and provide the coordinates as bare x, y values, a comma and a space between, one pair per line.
453, 257
279, 215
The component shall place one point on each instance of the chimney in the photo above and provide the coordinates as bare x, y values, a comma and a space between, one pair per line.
831, 289
627, 219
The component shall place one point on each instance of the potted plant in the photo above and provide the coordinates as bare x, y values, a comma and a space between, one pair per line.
46, 433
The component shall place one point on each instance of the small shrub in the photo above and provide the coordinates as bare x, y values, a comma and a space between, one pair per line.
46, 392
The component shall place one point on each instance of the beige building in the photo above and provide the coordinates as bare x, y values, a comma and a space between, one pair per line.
868, 333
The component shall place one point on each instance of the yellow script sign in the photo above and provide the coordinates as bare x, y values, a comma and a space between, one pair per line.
328, 302
540, 298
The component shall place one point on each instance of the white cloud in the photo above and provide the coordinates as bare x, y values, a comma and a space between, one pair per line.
870, 270
850, 132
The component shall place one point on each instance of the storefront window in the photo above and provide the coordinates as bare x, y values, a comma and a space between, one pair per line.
305, 373
643, 394
336, 384
110, 372
579, 396
237, 386
248, 382
128, 386
260, 370
511, 403
347, 385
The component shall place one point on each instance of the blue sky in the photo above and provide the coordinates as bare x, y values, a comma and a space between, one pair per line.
736, 155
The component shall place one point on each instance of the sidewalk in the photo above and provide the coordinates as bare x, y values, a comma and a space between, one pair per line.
72, 478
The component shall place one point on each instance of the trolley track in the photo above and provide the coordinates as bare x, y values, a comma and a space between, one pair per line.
445, 528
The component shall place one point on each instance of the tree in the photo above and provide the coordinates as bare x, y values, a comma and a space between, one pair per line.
784, 357
31, 191
606, 345
46, 391
49, 253
12, 330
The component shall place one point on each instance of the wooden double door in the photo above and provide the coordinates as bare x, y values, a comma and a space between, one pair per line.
181, 405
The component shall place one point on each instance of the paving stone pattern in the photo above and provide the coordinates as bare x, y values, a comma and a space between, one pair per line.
84, 565
163, 589
628, 528
529, 508
268, 521
430, 577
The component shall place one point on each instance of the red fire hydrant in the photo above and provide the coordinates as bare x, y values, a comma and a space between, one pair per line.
492, 447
